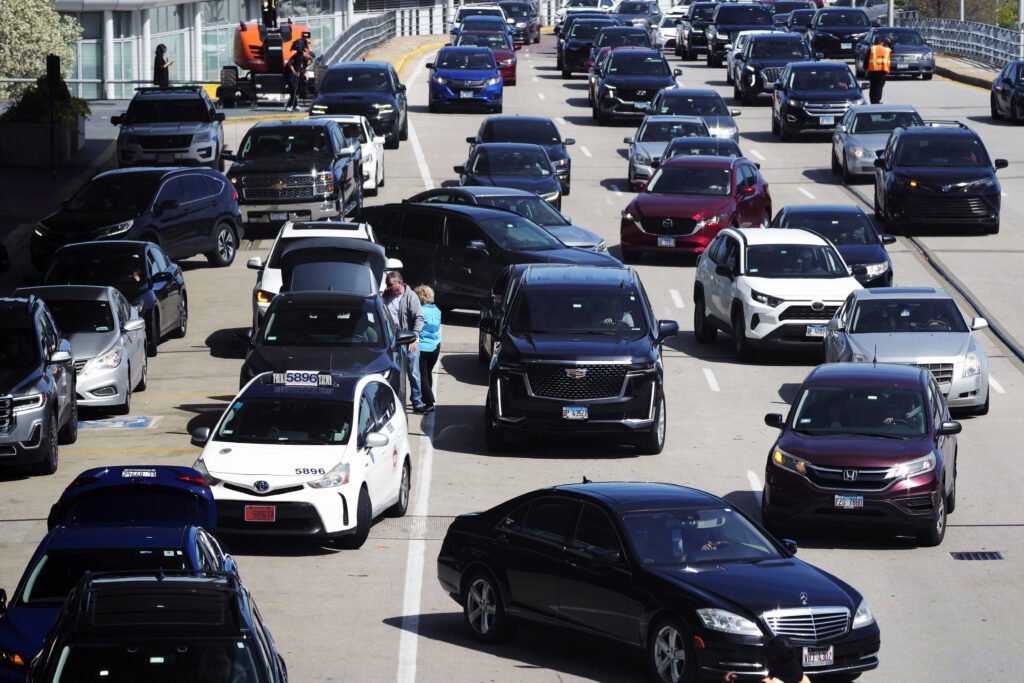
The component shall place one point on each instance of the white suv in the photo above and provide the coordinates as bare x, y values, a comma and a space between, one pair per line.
769, 286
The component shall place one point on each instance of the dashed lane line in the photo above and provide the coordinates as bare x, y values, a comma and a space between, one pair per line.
755, 485
677, 298
421, 160
806, 193
757, 154
586, 152
712, 382
996, 385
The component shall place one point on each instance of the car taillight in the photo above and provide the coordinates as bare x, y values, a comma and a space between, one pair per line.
81, 481
189, 479
234, 194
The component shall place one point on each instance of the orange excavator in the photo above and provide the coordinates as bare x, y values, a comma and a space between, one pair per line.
261, 49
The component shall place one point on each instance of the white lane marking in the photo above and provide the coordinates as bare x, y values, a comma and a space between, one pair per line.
677, 298
757, 154
586, 152
609, 200
541, 96
806, 193
409, 640
535, 79
755, 485
710, 377
996, 385
421, 160
618, 192
562, 122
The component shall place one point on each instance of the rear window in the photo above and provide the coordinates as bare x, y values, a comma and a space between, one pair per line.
128, 506
355, 80
884, 122
743, 14
165, 110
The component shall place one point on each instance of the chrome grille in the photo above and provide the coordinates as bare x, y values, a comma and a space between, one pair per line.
851, 478
164, 141
6, 416
770, 74
808, 313
269, 180
942, 372
460, 83
809, 624
278, 187
283, 193
630, 95
554, 380
836, 109
80, 365
656, 225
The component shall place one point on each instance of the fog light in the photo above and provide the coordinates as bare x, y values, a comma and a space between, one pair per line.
105, 391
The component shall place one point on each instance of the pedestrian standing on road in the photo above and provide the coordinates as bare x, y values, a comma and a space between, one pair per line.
294, 72
878, 67
161, 67
407, 314
430, 344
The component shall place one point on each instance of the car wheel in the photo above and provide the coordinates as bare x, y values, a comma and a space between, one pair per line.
982, 409
433, 108
144, 380
401, 506
653, 442
669, 653
737, 96
403, 134
775, 124
691, 54
740, 343
482, 608
785, 134
225, 246
565, 73
766, 218
392, 141
996, 116
710, 59
934, 535
153, 333
603, 119
568, 185
703, 330
951, 497
182, 326
1016, 113
494, 437
126, 406
926, 77
364, 517
848, 177
482, 356
69, 432
220, 163
729, 79
678, 49
836, 166
48, 465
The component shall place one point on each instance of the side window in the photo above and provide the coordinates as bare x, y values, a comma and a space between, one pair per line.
207, 558
383, 400
442, 198
936, 401
124, 311
366, 418
213, 186
339, 138
461, 232
647, 305
550, 519
153, 262
47, 333
731, 254
844, 311
595, 532
514, 521
195, 188
170, 191
714, 249
387, 221
1011, 72
423, 226
266, 651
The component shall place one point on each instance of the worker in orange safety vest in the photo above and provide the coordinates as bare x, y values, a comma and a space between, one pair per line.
878, 66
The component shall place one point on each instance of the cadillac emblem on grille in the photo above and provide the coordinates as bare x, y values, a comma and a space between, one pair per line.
261, 486
817, 306
575, 373
667, 223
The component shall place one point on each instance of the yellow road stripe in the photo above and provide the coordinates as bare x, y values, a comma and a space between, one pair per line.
401, 63
968, 85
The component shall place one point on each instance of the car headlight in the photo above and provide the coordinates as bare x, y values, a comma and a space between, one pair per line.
551, 196
108, 361
766, 299
905, 470
985, 184
494, 81
876, 269
41, 229
205, 136
336, 477
506, 62
610, 90
30, 402
724, 131
200, 467
928, 56
789, 462
796, 103
642, 159
727, 622
440, 80
12, 659
861, 152
863, 616
319, 109
561, 163
639, 22
119, 229
384, 107
520, 24
859, 100
972, 364
712, 221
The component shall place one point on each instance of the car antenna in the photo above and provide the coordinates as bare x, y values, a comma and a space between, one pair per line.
586, 481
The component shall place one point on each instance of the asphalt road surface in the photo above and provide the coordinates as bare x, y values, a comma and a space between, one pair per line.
378, 614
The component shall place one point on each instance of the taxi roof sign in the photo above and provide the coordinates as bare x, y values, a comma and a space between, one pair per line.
303, 378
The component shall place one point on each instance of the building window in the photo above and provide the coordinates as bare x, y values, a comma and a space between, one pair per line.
92, 25
168, 18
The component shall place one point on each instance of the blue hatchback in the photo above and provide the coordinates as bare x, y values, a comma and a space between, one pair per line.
465, 76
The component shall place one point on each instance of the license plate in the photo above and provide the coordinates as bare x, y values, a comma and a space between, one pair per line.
816, 330
902, 66
260, 513
278, 216
164, 158
848, 502
466, 94
666, 241
827, 120
845, 46
575, 413
819, 656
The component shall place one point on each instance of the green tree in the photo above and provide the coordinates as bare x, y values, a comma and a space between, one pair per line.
30, 30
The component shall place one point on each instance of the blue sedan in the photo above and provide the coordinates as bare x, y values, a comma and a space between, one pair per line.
465, 76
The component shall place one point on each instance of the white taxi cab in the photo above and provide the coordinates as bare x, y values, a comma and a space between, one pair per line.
308, 453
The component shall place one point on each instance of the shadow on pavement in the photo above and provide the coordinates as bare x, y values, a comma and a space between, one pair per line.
231, 342
464, 368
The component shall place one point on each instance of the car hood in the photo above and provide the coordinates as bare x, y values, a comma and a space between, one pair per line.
352, 360
938, 176
653, 150
86, 221
586, 257
736, 28
16, 380
862, 253
536, 185
763, 586
843, 31
284, 162
555, 152
827, 95
910, 49
767, 63
587, 45
719, 122
85, 345
465, 74
573, 235
824, 289
180, 128
913, 347
654, 83
854, 450
869, 141
681, 205
247, 463
358, 100
578, 347
23, 629
501, 55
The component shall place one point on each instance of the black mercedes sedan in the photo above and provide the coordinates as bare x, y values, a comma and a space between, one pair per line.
678, 572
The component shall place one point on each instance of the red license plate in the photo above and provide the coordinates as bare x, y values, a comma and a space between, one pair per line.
260, 513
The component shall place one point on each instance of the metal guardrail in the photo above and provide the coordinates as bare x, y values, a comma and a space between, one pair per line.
982, 42
360, 36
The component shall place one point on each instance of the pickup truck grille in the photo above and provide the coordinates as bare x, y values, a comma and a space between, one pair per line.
165, 141
278, 187
808, 624
565, 381
283, 193
658, 225
6, 416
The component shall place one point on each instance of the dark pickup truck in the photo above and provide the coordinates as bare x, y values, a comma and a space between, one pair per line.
299, 170
730, 19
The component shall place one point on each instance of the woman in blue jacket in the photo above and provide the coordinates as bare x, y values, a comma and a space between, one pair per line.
430, 344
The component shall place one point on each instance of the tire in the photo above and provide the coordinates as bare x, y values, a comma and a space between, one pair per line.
951, 497
630, 256
678, 49
747, 98
775, 125
740, 343
402, 505
836, 167
364, 517
68, 434
602, 118
432, 108
737, 96
669, 654
709, 60
848, 177
182, 327
785, 134
220, 163
144, 380
153, 333
996, 116
482, 356
496, 109
653, 442
225, 246
126, 407
511, 83
380, 184
934, 535
403, 134
766, 218
691, 54
48, 465
729, 80
982, 410
1016, 115
482, 608
493, 434
568, 185
926, 77
566, 74
703, 330
393, 141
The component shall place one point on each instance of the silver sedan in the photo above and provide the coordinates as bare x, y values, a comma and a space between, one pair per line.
863, 131
919, 326
651, 139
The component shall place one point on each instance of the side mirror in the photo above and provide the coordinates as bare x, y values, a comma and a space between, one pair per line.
728, 46
864, 85
405, 337
379, 139
430, 65
254, 263
162, 276
568, 141
200, 435
117, 120
401, 87
979, 324
725, 271
666, 329
879, 163
227, 154
790, 545
375, 440
748, 190
471, 140
477, 245
393, 264
164, 206
948, 428
630, 140
735, 112
677, 72
134, 325
347, 151
219, 116
60, 357
833, 325
888, 239
1001, 163
774, 420
840, 127
461, 170
859, 269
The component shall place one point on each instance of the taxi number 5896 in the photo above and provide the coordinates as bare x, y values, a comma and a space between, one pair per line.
309, 470
300, 377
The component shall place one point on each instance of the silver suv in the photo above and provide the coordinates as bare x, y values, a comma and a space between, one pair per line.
173, 126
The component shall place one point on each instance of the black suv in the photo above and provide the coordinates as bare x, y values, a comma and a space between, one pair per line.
729, 19
532, 130
761, 63
525, 23
579, 350
940, 175
629, 82
38, 404
563, 31
161, 626
835, 31
370, 89
579, 42
186, 211
799, 21
813, 96
461, 250
298, 170
690, 34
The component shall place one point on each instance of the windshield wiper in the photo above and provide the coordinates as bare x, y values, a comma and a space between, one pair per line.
878, 435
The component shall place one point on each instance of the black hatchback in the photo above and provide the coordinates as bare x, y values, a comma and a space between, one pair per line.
186, 211
532, 130
369, 89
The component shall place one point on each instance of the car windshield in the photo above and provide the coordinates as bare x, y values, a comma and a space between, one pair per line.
905, 37
794, 261
882, 411
884, 122
633, 8
291, 419
528, 131
585, 30
839, 227
711, 147
627, 63
465, 61
18, 348
322, 325
581, 3
161, 659
822, 79
663, 131
942, 151
75, 316
743, 14
779, 49
534, 208
483, 24
590, 310
117, 268
692, 105
516, 233
851, 19
691, 180
263, 143
907, 315
467, 12
121, 192
623, 38
493, 41
523, 162
516, 9
695, 535
354, 131
668, 22
355, 80
57, 572
802, 17
703, 12
165, 110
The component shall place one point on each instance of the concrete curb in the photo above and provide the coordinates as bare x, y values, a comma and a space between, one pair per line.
404, 60
966, 79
